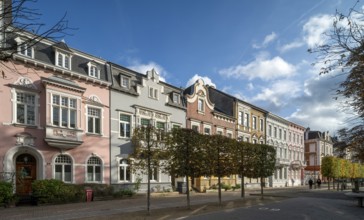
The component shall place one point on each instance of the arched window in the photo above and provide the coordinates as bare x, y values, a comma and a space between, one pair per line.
124, 170
94, 169
63, 168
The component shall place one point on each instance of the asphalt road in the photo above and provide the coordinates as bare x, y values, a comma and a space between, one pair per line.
279, 203
320, 205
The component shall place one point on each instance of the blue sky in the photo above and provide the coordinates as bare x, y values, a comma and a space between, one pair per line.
254, 50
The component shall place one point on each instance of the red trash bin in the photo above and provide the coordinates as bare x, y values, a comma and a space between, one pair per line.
89, 195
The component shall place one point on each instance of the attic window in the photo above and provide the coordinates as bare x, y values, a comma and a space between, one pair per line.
175, 98
24, 48
63, 60
125, 82
93, 70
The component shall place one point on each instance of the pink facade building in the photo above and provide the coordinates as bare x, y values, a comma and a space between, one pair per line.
54, 116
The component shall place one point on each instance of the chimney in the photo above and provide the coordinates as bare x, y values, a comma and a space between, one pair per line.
7, 11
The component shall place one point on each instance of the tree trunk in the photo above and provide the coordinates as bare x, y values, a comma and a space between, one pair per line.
188, 192
261, 187
219, 182
242, 186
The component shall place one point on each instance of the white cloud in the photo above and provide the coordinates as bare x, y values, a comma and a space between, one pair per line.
279, 92
265, 69
143, 68
290, 46
206, 80
267, 40
314, 29
317, 107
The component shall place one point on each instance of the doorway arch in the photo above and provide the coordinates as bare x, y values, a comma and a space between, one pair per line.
25, 172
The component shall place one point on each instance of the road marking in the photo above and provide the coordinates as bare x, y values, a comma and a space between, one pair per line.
275, 210
263, 208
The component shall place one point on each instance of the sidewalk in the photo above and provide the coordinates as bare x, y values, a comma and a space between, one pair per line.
98, 209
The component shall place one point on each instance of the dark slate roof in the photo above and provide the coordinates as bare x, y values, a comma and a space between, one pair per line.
44, 51
63, 46
224, 103
118, 71
189, 90
318, 135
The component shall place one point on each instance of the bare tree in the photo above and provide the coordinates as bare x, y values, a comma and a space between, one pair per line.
343, 53
18, 18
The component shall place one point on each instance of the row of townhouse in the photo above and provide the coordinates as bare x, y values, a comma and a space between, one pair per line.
69, 115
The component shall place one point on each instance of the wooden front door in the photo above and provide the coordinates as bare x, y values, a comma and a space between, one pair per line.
25, 173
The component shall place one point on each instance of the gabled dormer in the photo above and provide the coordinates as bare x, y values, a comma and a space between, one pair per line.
24, 47
63, 55
93, 69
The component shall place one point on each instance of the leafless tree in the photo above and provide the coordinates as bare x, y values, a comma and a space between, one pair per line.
343, 53
17, 17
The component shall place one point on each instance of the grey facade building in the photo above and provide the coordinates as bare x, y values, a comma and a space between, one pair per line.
137, 99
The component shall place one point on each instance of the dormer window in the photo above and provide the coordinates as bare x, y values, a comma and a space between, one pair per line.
63, 60
125, 82
24, 48
93, 70
175, 98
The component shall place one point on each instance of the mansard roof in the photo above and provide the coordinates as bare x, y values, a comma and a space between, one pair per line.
224, 103
63, 46
136, 79
319, 135
45, 56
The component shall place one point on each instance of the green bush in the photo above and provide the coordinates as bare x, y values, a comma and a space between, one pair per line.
124, 192
6, 192
55, 191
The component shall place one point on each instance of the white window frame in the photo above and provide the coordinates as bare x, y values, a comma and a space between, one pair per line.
23, 48
195, 124
176, 98
200, 105
26, 106
241, 118
246, 120
93, 71
154, 176
219, 131
94, 117
207, 127
261, 123
153, 93
125, 123
125, 82
94, 166
229, 133
63, 164
254, 122
125, 170
60, 107
63, 57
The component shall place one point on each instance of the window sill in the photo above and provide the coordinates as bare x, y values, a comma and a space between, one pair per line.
93, 134
125, 138
24, 125
200, 112
121, 181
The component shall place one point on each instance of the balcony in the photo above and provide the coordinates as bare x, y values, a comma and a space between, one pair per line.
297, 164
63, 138
280, 162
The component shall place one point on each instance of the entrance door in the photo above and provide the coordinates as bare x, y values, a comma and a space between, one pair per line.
25, 173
